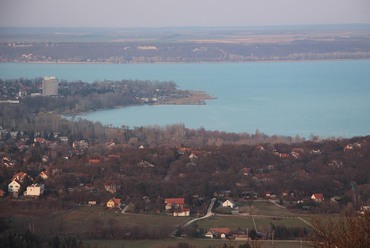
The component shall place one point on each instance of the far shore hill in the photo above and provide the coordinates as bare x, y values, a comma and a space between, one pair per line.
185, 45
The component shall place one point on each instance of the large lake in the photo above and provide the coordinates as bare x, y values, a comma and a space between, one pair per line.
330, 98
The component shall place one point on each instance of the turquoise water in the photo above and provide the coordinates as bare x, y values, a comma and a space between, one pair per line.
330, 98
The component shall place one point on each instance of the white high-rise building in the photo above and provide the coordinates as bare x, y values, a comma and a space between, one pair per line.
49, 86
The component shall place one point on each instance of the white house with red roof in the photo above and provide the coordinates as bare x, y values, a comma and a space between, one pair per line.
317, 197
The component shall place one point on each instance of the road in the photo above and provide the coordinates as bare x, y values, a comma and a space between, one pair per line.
208, 214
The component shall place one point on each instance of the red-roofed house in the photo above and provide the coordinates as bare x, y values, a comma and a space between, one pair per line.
318, 197
20, 176
44, 175
174, 203
218, 233
114, 203
39, 140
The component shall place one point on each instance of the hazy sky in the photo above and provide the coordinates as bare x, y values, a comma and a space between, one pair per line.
173, 13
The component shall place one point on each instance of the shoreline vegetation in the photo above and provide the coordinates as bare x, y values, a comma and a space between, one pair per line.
193, 98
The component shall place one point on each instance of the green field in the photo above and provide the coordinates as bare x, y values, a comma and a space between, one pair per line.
233, 222
262, 208
83, 219
263, 212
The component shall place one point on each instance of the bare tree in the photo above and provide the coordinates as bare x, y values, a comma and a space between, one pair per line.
351, 230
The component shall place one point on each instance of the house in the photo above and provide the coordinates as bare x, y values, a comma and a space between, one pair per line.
112, 188
222, 193
193, 157
270, 195
114, 203
110, 204
209, 235
183, 150
348, 147
174, 203
91, 203
94, 161
14, 186
220, 233
249, 194
247, 171
184, 212
43, 175
317, 197
20, 176
260, 148
365, 209
63, 138
228, 204
35, 190
39, 140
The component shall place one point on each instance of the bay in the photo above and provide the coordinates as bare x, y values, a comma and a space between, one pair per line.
326, 98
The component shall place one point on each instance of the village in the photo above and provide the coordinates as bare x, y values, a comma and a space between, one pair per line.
121, 178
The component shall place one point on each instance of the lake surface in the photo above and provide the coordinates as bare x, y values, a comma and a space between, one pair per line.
330, 98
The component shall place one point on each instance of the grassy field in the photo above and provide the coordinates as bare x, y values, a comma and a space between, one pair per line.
233, 222
79, 220
263, 212
263, 208
197, 243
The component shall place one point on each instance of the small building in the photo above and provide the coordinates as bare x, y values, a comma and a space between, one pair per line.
174, 203
44, 175
91, 203
228, 203
114, 203
209, 235
35, 190
184, 212
317, 197
14, 186
20, 176
220, 233
247, 171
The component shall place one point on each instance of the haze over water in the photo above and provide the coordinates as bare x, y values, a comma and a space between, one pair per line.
330, 98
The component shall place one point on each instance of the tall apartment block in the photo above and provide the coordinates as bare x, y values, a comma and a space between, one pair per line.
49, 86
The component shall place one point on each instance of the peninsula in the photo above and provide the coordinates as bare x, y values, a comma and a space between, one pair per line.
77, 97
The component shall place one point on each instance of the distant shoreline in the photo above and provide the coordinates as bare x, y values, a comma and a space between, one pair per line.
194, 62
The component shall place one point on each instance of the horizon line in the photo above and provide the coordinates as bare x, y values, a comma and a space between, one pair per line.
194, 26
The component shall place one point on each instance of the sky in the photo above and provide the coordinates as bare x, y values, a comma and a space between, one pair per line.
178, 13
